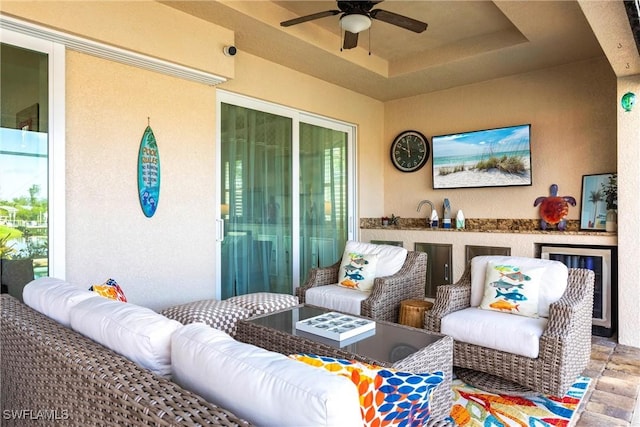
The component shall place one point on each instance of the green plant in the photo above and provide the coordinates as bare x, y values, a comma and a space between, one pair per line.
610, 190
6, 249
393, 220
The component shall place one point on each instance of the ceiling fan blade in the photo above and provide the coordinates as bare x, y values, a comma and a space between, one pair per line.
311, 17
399, 20
350, 40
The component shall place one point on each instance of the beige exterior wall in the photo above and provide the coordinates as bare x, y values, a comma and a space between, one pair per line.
573, 133
140, 26
628, 214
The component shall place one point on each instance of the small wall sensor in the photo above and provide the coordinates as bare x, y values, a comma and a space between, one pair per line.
230, 50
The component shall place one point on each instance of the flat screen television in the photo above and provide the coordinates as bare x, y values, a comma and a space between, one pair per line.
499, 157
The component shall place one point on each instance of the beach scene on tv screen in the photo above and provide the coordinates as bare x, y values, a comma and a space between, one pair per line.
486, 158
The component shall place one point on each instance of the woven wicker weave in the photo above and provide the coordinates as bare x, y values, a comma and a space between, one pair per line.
565, 344
387, 293
434, 357
52, 375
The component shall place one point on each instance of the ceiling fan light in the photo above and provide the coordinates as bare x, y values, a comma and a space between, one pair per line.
354, 23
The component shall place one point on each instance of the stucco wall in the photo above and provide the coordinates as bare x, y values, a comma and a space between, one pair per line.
573, 133
628, 214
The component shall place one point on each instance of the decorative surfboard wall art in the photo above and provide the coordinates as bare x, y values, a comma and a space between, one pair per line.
148, 173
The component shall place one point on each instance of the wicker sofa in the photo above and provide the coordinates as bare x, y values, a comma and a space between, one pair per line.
53, 375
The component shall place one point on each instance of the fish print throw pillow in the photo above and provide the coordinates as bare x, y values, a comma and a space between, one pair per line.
357, 271
387, 397
511, 289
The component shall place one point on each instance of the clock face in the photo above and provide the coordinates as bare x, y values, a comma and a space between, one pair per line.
410, 151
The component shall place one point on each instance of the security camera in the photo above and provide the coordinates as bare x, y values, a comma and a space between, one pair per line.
230, 50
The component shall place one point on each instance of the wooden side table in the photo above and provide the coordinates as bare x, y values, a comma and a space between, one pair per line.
412, 312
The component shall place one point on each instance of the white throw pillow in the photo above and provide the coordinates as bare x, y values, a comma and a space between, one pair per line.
54, 297
138, 333
553, 282
263, 387
358, 271
508, 288
390, 258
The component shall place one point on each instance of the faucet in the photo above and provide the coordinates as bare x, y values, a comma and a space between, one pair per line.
429, 214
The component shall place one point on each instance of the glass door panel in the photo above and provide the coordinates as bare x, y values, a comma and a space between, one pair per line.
256, 202
323, 196
24, 163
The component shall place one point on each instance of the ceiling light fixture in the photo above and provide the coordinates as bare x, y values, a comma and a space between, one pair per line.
355, 23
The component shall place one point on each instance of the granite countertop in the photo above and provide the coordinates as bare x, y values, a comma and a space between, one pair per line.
484, 225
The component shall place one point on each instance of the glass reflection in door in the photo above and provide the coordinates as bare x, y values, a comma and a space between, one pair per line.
323, 198
24, 156
255, 201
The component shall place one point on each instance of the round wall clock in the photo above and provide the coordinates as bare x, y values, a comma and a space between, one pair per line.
409, 151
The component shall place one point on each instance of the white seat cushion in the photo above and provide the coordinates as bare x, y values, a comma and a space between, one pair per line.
390, 258
55, 297
335, 297
553, 282
138, 333
492, 329
263, 387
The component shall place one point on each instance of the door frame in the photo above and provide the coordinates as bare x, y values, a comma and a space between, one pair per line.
56, 142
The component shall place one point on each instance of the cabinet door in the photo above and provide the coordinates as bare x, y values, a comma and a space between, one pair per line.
439, 266
471, 251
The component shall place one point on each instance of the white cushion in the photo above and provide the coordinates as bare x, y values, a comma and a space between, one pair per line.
553, 282
336, 297
357, 271
54, 297
390, 258
492, 329
263, 387
138, 333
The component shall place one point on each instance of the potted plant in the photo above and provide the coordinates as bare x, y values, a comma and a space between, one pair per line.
393, 220
610, 190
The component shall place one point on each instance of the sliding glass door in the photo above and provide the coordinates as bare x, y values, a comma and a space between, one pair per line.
323, 195
285, 195
31, 183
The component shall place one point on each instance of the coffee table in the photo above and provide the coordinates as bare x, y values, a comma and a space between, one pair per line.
392, 345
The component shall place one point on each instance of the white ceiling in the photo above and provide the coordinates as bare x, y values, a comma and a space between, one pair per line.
465, 42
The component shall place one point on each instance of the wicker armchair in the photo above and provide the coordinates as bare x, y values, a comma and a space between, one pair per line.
388, 292
565, 344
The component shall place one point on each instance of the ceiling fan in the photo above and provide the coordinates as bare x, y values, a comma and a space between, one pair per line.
356, 17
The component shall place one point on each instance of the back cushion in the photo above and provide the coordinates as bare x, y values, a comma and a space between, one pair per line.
553, 281
390, 258
136, 332
54, 297
263, 387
